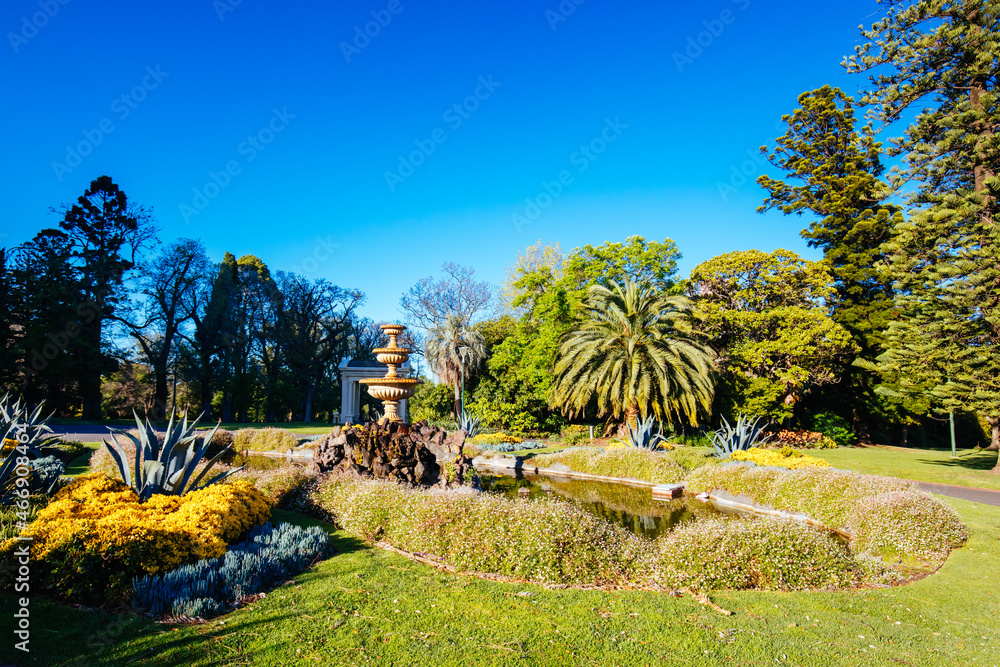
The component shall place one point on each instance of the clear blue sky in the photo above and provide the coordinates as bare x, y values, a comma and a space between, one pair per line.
184, 85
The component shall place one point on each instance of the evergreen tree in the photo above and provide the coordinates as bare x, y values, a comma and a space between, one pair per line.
107, 234
832, 169
941, 60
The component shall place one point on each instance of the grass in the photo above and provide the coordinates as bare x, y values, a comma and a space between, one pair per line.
368, 607
971, 468
81, 464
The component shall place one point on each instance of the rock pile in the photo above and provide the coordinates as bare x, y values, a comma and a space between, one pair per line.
416, 453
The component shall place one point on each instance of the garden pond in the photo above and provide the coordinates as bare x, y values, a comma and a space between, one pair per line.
633, 508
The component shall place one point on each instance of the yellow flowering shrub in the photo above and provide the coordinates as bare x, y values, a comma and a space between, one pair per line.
95, 536
621, 444
784, 458
496, 439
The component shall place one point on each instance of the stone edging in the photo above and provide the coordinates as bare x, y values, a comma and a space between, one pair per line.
507, 463
719, 497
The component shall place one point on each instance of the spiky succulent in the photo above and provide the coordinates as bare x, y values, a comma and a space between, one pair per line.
24, 432
166, 469
469, 423
642, 435
744, 435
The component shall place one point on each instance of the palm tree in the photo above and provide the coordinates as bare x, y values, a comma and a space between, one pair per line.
634, 352
451, 347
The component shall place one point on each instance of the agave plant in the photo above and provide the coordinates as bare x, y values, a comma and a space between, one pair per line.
746, 434
469, 423
642, 436
27, 431
166, 469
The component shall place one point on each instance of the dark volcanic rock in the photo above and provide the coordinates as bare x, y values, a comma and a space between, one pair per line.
414, 454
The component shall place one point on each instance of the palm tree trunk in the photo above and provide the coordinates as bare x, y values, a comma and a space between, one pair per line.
458, 402
632, 415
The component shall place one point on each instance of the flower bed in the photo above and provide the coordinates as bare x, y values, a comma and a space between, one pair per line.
95, 536
268, 556
555, 542
884, 514
787, 458
635, 463
268, 439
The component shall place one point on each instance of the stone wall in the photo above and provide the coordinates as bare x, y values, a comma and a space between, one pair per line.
416, 453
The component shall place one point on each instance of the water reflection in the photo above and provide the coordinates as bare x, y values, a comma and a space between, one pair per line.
632, 508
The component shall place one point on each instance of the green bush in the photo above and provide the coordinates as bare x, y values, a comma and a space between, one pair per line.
575, 434
269, 439
885, 515
555, 542
632, 462
548, 540
754, 554
431, 402
836, 428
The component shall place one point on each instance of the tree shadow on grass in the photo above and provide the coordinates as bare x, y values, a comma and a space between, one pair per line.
982, 460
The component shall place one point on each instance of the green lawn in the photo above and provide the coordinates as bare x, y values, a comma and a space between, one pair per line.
81, 464
971, 468
368, 607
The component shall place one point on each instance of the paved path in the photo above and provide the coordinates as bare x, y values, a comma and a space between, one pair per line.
984, 496
83, 433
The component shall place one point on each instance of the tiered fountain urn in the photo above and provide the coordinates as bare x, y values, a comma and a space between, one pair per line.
392, 389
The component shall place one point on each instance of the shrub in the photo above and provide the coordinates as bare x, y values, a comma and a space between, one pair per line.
45, 474
754, 554
786, 458
835, 427
222, 439
267, 439
805, 439
268, 556
633, 462
575, 434
96, 536
486, 439
66, 450
278, 484
906, 522
842, 499
556, 542
545, 540
508, 447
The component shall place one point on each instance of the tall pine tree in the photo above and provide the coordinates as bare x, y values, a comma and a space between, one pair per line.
941, 60
833, 171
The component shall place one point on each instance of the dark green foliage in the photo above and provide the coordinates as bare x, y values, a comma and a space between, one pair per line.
268, 556
834, 427
833, 169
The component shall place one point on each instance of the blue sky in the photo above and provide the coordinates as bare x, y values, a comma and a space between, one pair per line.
283, 130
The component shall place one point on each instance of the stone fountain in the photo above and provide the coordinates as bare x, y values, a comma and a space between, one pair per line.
392, 389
